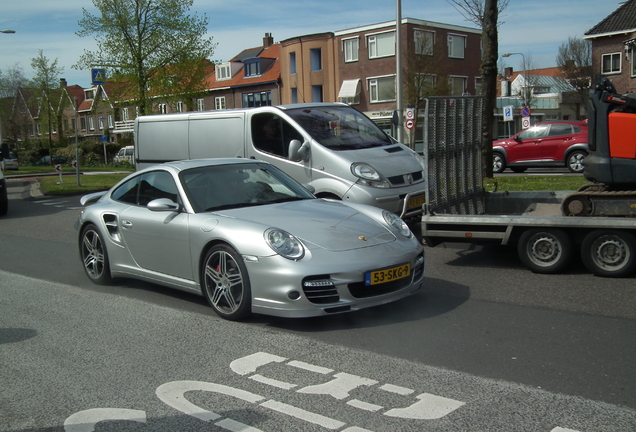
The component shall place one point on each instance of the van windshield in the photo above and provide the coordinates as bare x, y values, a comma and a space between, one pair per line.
340, 127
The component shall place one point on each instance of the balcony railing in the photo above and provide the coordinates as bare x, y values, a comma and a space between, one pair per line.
124, 126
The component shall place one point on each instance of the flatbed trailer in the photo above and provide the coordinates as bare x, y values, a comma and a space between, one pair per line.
546, 241
458, 209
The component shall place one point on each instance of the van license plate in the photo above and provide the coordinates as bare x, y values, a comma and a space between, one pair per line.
416, 202
387, 275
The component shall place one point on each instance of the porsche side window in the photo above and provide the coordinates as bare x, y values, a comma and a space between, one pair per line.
155, 185
127, 192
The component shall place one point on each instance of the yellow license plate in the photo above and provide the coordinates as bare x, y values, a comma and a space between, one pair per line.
416, 202
387, 275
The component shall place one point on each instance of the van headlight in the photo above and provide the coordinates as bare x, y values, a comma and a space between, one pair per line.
397, 224
284, 244
368, 176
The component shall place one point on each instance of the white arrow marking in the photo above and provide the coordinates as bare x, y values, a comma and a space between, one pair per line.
85, 421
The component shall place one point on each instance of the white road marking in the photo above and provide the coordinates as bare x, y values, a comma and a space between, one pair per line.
302, 414
273, 382
340, 387
234, 426
248, 364
397, 389
85, 421
429, 407
310, 367
560, 429
364, 405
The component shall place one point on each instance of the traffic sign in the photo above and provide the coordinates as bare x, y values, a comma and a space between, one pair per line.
508, 113
410, 124
525, 122
58, 167
525, 112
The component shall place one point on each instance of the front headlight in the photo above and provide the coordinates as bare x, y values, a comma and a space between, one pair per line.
284, 244
397, 224
369, 176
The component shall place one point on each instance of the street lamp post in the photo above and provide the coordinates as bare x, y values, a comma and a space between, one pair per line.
523, 87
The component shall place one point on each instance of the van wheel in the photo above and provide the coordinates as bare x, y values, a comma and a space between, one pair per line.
609, 253
544, 250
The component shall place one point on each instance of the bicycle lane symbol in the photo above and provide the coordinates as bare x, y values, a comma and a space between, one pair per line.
424, 406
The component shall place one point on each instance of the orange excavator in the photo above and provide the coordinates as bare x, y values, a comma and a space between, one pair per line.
611, 163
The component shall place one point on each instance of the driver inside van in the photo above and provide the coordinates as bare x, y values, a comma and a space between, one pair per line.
268, 136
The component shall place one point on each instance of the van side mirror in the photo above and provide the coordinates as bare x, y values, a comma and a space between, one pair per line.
298, 151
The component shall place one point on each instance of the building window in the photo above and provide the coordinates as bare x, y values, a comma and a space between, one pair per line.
294, 95
179, 106
257, 99
611, 63
223, 72
111, 124
457, 85
100, 122
163, 108
253, 68
350, 47
219, 103
382, 89
200, 105
124, 116
316, 93
425, 83
292, 63
424, 42
91, 123
381, 45
633, 51
477, 86
456, 45
315, 55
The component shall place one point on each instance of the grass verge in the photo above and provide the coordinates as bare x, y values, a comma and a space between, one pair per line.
96, 182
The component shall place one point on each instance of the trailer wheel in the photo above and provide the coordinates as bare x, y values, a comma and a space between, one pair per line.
544, 250
609, 253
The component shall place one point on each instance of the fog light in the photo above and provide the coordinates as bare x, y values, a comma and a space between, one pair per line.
293, 295
318, 283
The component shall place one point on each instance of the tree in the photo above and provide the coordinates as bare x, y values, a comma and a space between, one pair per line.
149, 44
11, 121
485, 13
575, 61
45, 81
475, 10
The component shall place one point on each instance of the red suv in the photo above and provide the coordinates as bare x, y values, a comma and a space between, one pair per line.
548, 144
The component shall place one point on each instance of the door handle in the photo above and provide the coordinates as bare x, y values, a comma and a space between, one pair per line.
126, 224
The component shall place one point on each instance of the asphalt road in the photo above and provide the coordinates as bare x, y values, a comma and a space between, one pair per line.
486, 346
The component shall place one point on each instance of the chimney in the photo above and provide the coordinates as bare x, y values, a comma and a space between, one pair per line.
63, 83
268, 40
508, 72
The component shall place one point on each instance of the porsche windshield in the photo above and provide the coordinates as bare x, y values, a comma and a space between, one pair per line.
340, 127
218, 187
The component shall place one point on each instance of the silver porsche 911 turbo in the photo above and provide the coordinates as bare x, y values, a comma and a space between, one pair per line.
249, 238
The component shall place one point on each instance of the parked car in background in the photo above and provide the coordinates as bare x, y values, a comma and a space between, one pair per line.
11, 162
548, 144
46, 160
249, 238
125, 154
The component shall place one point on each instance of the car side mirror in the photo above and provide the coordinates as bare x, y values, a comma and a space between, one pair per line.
517, 138
4, 151
163, 204
298, 151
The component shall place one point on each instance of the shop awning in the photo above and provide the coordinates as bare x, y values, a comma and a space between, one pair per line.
349, 89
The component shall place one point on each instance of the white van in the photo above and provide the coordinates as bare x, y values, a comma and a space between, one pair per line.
125, 154
333, 148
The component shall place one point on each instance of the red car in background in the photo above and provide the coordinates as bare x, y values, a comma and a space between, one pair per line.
548, 144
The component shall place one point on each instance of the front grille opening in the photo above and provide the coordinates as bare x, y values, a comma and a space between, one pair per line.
415, 177
320, 289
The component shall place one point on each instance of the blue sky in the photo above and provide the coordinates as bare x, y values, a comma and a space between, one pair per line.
535, 28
